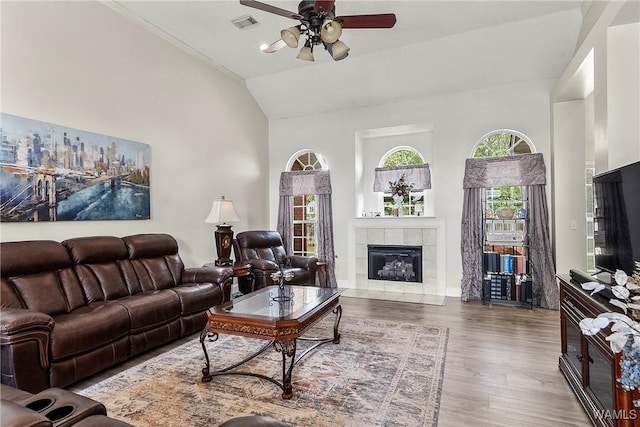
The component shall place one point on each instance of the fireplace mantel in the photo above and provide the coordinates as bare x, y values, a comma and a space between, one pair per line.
409, 230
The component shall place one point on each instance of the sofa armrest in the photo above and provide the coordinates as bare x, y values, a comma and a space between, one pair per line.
298, 261
221, 276
263, 264
15, 415
16, 320
18, 325
208, 274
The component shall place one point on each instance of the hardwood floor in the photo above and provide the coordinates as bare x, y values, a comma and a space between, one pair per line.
501, 367
502, 362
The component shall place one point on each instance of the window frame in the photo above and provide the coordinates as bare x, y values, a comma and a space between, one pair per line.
304, 234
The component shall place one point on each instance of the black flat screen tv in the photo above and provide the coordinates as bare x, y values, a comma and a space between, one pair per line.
616, 218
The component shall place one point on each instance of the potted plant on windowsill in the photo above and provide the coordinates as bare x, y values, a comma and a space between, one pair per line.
400, 192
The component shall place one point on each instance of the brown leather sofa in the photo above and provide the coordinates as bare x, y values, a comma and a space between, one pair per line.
72, 309
52, 407
264, 252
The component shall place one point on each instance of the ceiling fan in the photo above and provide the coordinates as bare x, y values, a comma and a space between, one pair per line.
320, 25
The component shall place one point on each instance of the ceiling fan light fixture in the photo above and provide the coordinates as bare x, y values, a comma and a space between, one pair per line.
339, 50
306, 54
331, 31
290, 36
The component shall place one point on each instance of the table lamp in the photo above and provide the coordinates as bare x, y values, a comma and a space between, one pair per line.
222, 212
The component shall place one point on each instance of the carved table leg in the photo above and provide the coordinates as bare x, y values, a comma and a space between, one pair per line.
288, 350
336, 334
212, 336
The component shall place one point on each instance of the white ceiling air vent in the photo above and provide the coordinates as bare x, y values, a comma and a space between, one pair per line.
244, 21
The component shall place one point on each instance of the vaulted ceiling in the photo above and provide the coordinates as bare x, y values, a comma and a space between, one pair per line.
436, 47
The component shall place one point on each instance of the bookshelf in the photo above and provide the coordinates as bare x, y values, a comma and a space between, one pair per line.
506, 268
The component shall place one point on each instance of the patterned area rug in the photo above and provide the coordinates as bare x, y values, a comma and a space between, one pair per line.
381, 374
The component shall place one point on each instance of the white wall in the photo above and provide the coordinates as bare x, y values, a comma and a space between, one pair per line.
601, 84
458, 120
569, 162
623, 94
82, 65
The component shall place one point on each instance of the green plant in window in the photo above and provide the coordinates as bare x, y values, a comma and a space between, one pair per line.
501, 145
403, 158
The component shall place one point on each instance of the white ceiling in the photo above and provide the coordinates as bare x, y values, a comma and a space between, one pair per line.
435, 47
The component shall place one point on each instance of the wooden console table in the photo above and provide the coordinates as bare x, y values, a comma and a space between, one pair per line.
588, 363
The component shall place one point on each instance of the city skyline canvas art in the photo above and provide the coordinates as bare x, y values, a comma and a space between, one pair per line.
50, 172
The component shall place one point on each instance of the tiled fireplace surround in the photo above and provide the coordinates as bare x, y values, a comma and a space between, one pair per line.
414, 231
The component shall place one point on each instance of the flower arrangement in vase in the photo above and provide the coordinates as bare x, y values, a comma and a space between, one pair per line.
625, 330
400, 192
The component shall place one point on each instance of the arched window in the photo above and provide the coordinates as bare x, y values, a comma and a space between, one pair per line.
500, 201
503, 142
306, 160
403, 156
304, 206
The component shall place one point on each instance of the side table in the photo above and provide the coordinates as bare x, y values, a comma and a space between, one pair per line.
246, 278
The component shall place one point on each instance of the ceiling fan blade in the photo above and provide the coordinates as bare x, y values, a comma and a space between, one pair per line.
326, 5
271, 9
382, 20
273, 47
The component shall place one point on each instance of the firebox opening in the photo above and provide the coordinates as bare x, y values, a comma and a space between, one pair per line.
396, 263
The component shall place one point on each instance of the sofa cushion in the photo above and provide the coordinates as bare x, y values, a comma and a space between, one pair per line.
196, 297
105, 277
88, 327
41, 292
150, 245
72, 288
9, 298
151, 309
96, 249
155, 260
98, 269
33, 256
153, 274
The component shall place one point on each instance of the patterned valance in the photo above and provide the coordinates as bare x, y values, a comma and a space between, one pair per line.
523, 169
418, 175
305, 182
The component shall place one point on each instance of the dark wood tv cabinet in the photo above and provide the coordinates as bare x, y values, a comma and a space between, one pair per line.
588, 363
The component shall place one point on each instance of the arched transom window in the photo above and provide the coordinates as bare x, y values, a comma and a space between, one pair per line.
501, 201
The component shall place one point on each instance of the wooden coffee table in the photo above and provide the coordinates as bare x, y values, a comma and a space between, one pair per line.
279, 315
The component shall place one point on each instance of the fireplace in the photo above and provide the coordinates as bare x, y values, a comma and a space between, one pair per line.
395, 262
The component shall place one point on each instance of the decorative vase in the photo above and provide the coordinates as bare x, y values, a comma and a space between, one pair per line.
397, 204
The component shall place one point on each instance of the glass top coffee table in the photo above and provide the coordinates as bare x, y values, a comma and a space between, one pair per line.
280, 315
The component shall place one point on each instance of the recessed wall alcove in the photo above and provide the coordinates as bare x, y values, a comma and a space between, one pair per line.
370, 147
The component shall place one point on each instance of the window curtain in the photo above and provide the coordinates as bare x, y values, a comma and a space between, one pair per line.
525, 170
418, 175
309, 182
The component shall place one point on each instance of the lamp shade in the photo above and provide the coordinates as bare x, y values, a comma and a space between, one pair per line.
331, 31
306, 54
339, 50
290, 36
222, 211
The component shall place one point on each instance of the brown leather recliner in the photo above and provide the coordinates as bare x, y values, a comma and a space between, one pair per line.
264, 252
52, 407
